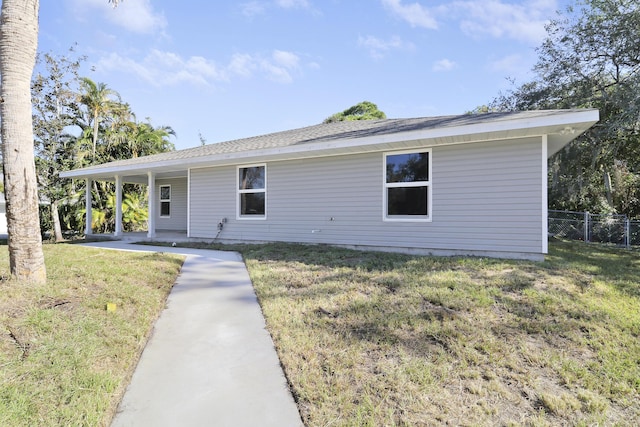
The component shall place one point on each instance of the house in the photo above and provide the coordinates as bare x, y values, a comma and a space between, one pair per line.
467, 185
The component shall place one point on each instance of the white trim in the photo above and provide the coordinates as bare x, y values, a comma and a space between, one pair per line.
253, 190
189, 202
118, 228
161, 200
545, 196
88, 230
386, 185
151, 217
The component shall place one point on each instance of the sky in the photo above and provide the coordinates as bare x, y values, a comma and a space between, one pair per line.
222, 70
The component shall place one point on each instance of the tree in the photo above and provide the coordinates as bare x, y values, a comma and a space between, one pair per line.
132, 139
363, 111
54, 97
99, 101
591, 58
18, 45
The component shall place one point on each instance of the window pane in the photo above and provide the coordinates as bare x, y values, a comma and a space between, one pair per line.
407, 201
165, 208
252, 204
408, 167
165, 193
251, 178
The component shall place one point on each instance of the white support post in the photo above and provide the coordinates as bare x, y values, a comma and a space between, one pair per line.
545, 197
627, 233
189, 202
87, 205
118, 230
151, 221
586, 226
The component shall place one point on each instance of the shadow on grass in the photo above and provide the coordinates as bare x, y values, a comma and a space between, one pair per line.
508, 285
587, 262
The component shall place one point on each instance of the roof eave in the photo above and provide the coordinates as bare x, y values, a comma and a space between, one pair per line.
561, 127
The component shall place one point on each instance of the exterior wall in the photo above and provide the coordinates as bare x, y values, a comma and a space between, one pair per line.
487, 199
177, 221
3, 217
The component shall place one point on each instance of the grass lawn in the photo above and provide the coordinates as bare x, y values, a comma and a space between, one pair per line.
373, 339
365, 338
65, 360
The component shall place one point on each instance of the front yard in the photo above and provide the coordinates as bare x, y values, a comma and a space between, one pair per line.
65, 360
365, 338
383, 339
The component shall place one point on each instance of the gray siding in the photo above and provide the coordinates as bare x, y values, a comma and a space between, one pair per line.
487, 197
213, 197
177, 221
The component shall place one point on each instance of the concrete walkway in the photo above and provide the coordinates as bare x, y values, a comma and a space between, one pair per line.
210, 360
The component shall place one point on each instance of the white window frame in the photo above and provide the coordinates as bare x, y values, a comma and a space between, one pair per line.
164, 200
239, 192
385, 185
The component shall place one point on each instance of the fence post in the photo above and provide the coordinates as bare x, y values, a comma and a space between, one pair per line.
627, 233
586, 226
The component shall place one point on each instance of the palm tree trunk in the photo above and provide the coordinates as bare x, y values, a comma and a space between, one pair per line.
18, 44
95, 135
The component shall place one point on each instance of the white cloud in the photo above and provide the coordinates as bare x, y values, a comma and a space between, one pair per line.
286, 59
522, 21
518, 20
415, 14
257, 7
293, 4
137, 16
280, 66
242, 64
253, 8
160, 68
378, 48
443, 65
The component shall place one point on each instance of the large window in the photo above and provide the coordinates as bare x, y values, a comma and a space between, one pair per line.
165, 201
252, 192
407, 186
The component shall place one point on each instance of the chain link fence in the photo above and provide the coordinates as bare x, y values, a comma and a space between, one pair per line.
588, 227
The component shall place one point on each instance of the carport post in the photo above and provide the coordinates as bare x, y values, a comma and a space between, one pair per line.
87, 205
151, 221
118, 230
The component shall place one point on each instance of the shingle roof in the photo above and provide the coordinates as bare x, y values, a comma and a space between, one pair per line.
338, 131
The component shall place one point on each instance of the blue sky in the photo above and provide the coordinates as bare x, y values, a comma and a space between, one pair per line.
234, 69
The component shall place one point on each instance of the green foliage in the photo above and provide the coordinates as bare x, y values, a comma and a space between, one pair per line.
134, 213
77, 123
55, 108
591, 58
363, 111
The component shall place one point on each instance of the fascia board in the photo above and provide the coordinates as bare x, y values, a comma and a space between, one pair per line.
500, 129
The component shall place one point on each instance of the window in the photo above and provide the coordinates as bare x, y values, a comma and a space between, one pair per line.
165, 201
252, 192
407, 186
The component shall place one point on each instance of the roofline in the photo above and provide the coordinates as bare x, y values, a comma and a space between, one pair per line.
447, 135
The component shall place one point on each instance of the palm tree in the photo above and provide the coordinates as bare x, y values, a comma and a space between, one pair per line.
18, 45
99, 100
147, 140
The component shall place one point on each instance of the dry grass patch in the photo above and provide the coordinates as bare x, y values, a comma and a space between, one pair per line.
65, 359
386, 339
